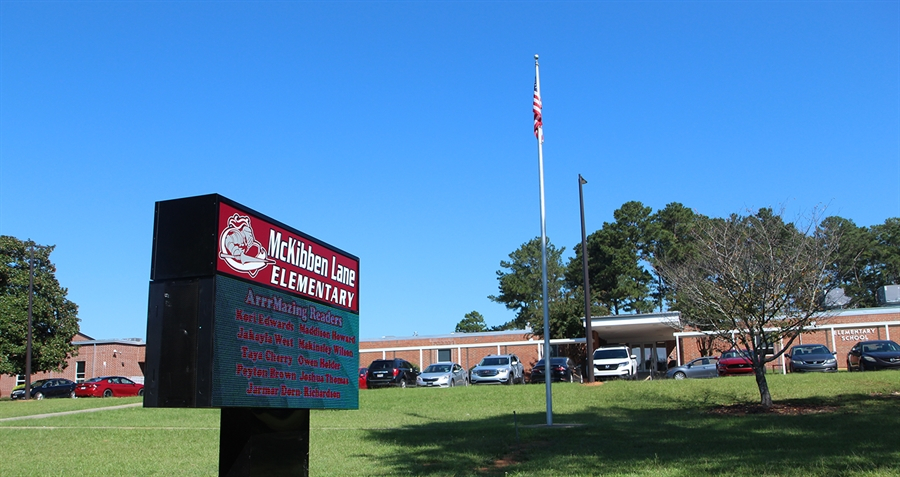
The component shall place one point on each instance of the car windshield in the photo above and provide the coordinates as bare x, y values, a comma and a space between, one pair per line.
438, 368
891, 346
610, 354
735, 354
376, 365
498, 361
94, 380
814, 349
38, 383
880, 347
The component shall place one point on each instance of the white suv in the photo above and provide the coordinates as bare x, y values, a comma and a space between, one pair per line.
615, 361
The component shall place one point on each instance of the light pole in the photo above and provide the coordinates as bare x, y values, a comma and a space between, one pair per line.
28, 341
588, 335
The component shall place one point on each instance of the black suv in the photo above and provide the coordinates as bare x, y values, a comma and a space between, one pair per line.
391, 372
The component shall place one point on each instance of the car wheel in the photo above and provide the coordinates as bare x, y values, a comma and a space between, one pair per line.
679, 375
141, 393
38, 396
452, 382
862, 366
510, 381
403, 383
72, 395
107, 393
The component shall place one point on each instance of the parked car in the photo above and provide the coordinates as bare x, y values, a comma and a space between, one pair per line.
614, 361
46, 388
561, 369
109, 386
443, 375
704, 367
812, 357
501, 368
362, 378
735, 363
874, 355
390, 372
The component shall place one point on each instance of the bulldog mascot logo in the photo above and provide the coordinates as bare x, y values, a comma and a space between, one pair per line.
240, 249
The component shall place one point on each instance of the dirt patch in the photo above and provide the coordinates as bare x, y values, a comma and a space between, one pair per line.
514, 456
595, 383
791, 409
785, 409
893, 395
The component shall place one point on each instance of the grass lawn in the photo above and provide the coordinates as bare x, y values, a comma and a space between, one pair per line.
825, 425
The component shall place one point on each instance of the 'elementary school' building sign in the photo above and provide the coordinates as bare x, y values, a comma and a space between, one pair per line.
859, 334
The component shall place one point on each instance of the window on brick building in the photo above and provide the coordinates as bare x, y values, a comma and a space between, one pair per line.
79, 371
444, 355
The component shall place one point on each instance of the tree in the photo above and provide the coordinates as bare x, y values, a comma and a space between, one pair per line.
619, 281
754, 280
887, 253
521, 290
473, 322
865, 259
54, 317
851, 266
670, 239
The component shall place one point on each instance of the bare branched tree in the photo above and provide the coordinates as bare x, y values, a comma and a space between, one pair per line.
753, 281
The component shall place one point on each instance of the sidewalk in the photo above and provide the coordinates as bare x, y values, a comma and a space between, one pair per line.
63, 413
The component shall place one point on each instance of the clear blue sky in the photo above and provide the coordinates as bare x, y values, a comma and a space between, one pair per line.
401, 131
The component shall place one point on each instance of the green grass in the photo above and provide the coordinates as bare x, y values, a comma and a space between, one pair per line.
659, 428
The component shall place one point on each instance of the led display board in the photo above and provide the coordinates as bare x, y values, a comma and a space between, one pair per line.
274, 349
245, 311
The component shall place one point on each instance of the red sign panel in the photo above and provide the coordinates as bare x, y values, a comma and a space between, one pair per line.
254, 249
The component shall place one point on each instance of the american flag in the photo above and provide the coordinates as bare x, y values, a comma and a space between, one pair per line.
538, 123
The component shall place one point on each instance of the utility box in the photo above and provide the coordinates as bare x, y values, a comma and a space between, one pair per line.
889, 295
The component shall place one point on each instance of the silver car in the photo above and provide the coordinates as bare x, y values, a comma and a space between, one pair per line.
443, 375
502, 369
704, 367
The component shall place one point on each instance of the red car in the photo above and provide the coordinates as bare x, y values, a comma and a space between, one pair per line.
362, 377
734, 362
109, 386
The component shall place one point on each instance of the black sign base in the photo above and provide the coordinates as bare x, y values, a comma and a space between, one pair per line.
264, 442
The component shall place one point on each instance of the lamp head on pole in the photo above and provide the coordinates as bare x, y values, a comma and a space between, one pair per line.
581, 179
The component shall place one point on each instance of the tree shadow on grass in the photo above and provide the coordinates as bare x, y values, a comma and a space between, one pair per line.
843, 435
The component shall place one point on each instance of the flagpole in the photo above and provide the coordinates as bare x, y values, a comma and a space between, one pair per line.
539, 132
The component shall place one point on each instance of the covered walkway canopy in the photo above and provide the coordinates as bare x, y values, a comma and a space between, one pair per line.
636, 329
